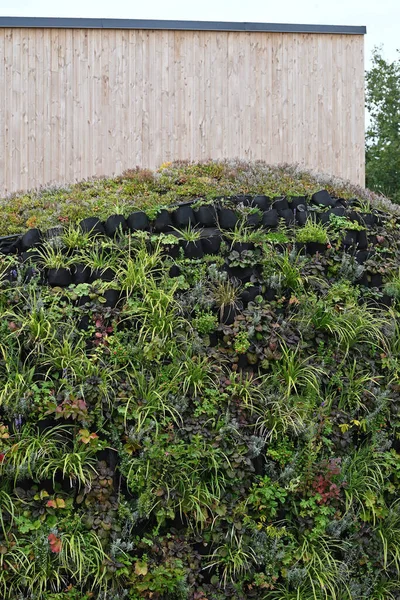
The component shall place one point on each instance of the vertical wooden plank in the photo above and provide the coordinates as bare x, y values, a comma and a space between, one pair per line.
3, 111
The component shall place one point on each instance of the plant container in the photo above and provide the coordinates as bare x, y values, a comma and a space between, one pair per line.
192, 249
115, 225
81, 273
250, 293
368, 219
314, 247
301, 217
261, 202
183, 216
270, 219
59, 277
206, 216
280, 204
92, 225
112, 298
242, 246
296, 201
174, 271
138, 221
227, 218
288, 215
362, 240
162, 222
31, 239
227, 315
211, 244
253, 220
323, 198
350, 238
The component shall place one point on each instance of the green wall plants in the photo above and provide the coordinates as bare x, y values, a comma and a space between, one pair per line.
200, 426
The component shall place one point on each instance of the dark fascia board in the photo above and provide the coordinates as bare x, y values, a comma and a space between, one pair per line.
72, 23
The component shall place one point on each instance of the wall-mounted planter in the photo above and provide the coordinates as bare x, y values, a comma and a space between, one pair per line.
314, 247
296, 201
243, 273
102, 274
31, 239
288, 216
59, 277
242, 246
192, 249
301, 217
183, 216
250, 293
227, 218
253, 221
115, 225
362, 240
376, 280
270, 219
368, 219
92, 225
112, 298
206, 216
350, 238
261, 202
323, 198
362, 256
81, 273
228, 314
174, 271
280, 204
339, 211
211, 244
163, 222
138, 221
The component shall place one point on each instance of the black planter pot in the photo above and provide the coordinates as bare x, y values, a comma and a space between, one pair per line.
323, 217
163, 222
301, 217
270, 219
296, 201
245, 199
32, 256
362, 240
242, 246
192, 249
242, 362
323, 198
355, 217
339, 211
363, 280
314, 247
82, 300
174, 271
102, 274
227, 218
288, 215
59, 277
376, 280
211, 244
350, 238
81, 273
83, 323
30, 273
250, 293
213, 337
368, 219
183, 216
92, 225
138, 221
253, 221
269, 294
206, 216
280, 204
115, 225
242, 273
171, 250
362, 256
228, 314
386, 300
261, 202
31, 239
112, 298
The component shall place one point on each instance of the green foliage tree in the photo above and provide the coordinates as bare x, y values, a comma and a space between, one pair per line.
383, 133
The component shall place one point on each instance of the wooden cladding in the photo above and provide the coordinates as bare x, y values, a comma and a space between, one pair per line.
77, 103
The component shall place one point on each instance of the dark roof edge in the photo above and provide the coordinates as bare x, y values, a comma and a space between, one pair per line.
72, 23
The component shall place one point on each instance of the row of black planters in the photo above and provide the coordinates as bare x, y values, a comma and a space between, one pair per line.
208, 216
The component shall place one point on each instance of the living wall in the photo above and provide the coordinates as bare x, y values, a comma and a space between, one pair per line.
203, 404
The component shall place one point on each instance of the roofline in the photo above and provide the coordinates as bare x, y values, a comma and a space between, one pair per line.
73, 23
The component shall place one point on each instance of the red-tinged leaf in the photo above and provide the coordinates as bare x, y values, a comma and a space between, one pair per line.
51, 504
55, 543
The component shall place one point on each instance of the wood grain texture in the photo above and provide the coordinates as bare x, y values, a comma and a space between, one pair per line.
81, 103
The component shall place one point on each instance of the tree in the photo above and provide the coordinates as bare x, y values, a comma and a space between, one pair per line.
383, 133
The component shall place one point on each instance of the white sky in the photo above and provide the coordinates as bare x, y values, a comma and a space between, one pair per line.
382, 17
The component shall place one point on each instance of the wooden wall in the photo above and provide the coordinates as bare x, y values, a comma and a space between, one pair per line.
76, 103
